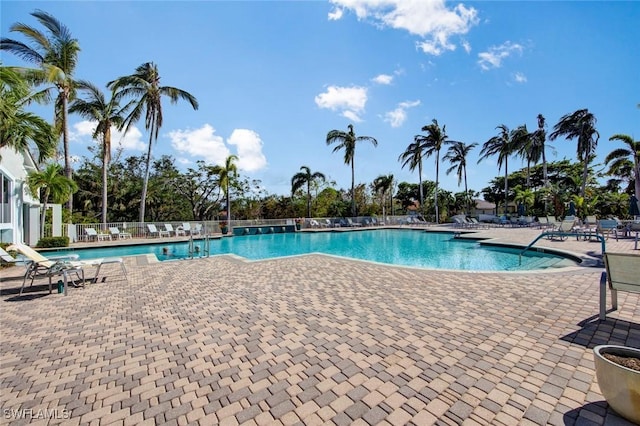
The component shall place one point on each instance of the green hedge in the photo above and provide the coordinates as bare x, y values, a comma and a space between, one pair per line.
49, 242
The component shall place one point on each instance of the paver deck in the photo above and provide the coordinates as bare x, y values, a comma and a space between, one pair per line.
313, 340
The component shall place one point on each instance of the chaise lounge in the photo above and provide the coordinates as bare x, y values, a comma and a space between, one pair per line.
622, 273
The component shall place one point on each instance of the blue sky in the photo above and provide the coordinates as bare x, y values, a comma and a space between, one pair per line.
272, 78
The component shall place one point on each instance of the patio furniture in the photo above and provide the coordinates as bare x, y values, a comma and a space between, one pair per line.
154, 232
169, 229
622, 273
41, 266
115, 233
93, 235
607, 227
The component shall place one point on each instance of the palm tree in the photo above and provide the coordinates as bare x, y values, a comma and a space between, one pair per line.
579, 125
383, 184
501, 146
412, 157
56, 186
347, 141
433, 142
106, 114
55, 54
227, 174
523, 144
19, 128
457, 156
620, 155
144, 87
305, 177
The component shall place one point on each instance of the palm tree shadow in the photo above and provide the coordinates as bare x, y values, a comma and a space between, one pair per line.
612, 331
30, 293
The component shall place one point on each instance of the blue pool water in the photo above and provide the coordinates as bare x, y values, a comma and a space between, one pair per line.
397, 247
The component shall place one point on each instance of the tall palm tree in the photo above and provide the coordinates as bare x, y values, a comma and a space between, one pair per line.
227, 174
305, 177
56, 186
55, 55
19, 128
347, 141
457, 155
106, 114
620, 155
383, 184
144, 86
523, 144
412, 157
501, 146
435, 138
579, 125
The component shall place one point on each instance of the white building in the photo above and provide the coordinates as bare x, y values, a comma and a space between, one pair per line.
19, 210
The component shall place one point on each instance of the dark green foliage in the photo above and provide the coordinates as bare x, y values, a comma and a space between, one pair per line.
50, 242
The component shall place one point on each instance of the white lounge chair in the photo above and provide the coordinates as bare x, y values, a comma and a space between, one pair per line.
41, 266
185, 228
92, 234
622, 273
607, 227
154, 232
115, 233
169, 229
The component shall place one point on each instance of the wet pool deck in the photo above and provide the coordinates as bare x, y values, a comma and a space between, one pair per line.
314, 340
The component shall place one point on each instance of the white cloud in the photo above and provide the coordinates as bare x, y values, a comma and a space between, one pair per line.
349, 101
496, 54
519, 77
249, 148
385, 79
431, 20
201, 143
466, 46
132, 140
398, 116
336, 14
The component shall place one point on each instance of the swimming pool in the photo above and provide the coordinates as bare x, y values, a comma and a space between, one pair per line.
392, 246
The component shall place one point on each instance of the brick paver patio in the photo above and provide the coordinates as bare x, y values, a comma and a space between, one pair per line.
313, 340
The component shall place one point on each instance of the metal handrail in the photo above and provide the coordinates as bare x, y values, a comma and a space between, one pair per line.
561, 234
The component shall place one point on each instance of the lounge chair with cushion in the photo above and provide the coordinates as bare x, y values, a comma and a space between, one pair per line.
622, 273
115, 233
169, 229
93, 235
607, 227
154, 232
41, 266
185, 228
560, 232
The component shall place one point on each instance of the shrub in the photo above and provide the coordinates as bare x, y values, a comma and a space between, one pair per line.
49, 242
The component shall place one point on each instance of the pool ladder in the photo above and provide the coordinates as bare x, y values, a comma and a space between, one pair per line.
561, 234
192, 247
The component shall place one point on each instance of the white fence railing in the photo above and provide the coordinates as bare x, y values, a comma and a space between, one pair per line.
78, 232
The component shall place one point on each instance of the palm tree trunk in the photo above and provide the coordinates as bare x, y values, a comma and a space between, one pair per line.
309, 198
506, 185
228, 208
466, 190
436, 195
353, 189
105, 165
545, 178
43, 216
65, 144
585, 174
420, 182
145, 182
